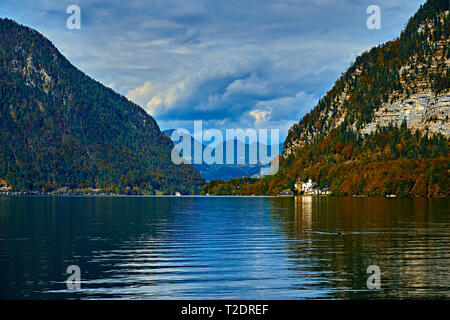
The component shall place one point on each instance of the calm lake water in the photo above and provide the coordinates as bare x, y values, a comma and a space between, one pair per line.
223, 247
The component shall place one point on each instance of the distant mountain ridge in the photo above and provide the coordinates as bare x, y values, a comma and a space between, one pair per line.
226, 171
59, 127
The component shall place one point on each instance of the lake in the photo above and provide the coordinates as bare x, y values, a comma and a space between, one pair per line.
223, 247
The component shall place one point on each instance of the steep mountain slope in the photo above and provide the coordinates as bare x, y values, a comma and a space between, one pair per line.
407, 78
59, 127
383, 128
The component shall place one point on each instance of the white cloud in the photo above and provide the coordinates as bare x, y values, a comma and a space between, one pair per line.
142, 93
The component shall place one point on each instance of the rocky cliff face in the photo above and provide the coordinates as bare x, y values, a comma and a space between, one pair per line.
406, 79
426, 112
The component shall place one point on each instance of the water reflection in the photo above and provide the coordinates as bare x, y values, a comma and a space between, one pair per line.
407, 238
223, 248
303, 214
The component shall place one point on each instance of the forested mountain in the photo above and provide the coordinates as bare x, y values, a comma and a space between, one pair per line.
383, 128
407, 78
59, 127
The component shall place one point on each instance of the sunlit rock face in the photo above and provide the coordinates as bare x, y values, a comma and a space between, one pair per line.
423, 112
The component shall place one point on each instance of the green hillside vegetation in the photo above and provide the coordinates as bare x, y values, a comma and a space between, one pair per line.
59, 127
391, 161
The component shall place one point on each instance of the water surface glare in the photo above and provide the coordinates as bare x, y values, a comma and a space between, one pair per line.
223, 247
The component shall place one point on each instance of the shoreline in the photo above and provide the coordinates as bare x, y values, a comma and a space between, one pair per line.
199, 196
